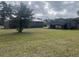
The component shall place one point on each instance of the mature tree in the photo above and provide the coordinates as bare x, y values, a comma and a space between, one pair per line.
2, 11
24, 17
5, 11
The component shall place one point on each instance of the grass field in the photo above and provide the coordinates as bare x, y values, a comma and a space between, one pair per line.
39, 42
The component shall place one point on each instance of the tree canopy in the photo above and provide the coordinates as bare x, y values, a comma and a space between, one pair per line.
24, 16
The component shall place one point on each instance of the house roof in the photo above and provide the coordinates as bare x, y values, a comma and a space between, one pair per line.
37, 20
57, 22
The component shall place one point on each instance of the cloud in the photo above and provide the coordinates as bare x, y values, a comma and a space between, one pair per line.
36, 6
29, 3
46, 5
53, 9
49, 10
52, 12
55, 14
68, 2
38, 15
63, 12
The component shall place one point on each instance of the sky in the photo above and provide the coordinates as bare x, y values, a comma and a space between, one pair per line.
53, 9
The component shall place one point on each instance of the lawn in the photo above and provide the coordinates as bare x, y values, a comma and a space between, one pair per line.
39, 42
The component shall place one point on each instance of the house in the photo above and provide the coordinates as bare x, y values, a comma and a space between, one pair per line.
37, 23
57, 23
8, 23
71, 23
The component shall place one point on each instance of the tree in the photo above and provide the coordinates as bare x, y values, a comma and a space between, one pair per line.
5, 11
24, 17
2, 11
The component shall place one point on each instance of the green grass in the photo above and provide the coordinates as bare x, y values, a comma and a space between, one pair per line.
39, 42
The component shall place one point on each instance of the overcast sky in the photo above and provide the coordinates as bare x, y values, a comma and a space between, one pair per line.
54, 9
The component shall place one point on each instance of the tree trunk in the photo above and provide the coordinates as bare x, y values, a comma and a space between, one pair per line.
20, 30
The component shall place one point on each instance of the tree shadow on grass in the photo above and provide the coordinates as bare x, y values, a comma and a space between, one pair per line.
16, 33
13, 36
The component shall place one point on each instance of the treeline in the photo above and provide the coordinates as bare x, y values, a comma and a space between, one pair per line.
64, 23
